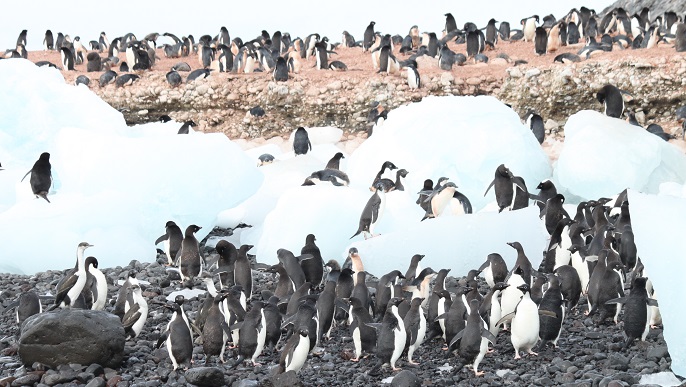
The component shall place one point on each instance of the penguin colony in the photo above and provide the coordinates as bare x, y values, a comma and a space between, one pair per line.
590, 266
591, 254
283, 56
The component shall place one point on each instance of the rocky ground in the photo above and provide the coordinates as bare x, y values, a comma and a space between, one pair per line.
588, 355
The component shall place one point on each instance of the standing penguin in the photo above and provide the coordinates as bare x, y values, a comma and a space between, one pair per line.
295, 352
494, 269
637, 313
436, 305
368, 37
473, 338
135, 317
529, 27
552, 301
225, 263
172, 241
335, 161
311, 261
301, 142
385, 290
364, 336
190, 259
243, 271
215, 331
67, 59
504, 185
570, 285
554, 212
535, 122
326, 307
392, 335
413, 79
253, 333
415, 327
541, 41
97, 284
178, 337
28, 305
292, 266
612, 100
525, 323
372, 212
41, 176
490, 309
605, 284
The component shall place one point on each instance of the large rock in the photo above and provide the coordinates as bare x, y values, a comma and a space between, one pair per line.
72, 336
205, 376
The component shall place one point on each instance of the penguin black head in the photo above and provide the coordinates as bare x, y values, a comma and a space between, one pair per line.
515, 245
304, 332
92, 261
500, 286
428, 185
640, 283
417, 257
395, 301
347, 271
165, 118
333, 264
179, 300
192, 229
524, 288
310, 238
353, 250
45, 156
545, 184
444, 294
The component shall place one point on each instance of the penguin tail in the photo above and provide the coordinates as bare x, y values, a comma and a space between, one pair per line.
44, 195
238, 362
356, 234
376, 370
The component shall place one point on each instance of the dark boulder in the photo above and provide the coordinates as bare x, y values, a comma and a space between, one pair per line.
72, 336
205, 376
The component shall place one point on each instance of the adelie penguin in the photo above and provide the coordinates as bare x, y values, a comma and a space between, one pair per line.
372, 212
280, 73
637, 311
541, 41
135, 317
392, 336
494, 269
190, 261
41, 176
368, 37
505, 186
172, 241
612, 100
301, 142
535, 123
253, 333
178, 337
311, 261
295, 352
473, 338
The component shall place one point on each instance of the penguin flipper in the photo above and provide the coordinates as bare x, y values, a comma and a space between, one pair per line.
547, 313
162, 339
441, 317
225, 328
162, 238
239, 325
456, 338
27, 173
505, 318
340, 304
131, 317
489, 187
486, 334
620, 300
376, 326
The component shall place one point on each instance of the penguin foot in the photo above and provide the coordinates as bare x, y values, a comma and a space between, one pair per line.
517, 357
479, 373
532, 353
356, 359
412, 363
490, 350
394, 368
255, 364
445, 348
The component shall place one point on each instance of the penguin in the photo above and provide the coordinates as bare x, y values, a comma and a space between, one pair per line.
273, 317
570, 285
680, 34
252, 334
355, 262
511, 296
413, 79
397, 185
325, 310
348, 40
174, 78
94, 62
494, 269
505, 186
361, 291
579, 263
41, 176
67, 59
172, 241
473, 338
387, 165
391, 336
567, 58
552, 301
189, 260
442, 308
48, 41
554, 212
296, 298
96, 284
627, 248
265, 159
243, 271
28, 305
280, 73
135, 317
420, 285
385, 290
322, 55
557, 254
535, 123
473, 44
605, 284
335, 161
233, 308
364, 336
178, 336
436, 305
305, 317
426, 191
124, 297
540, 41
554, 37
546, 191
372, 212
107, 77
522, 262
301, 142
525, 323
126, 79
334, 176
344, 289
450, 24
368, 37
311, 261
637, 311
414, 269
197, 74
612, 100
292, 266
490, 309
69, 289
415, 327
295, 352
215, 331
455, 318
228, 254
529, 27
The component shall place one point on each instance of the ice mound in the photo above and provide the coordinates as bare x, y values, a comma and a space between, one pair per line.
462, 138
603, 155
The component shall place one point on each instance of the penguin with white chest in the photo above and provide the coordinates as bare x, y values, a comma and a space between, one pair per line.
172, 241
295, 352
415, 327
178, 336
392, 335
637, 311
494, 269
372, 212
135, 317
69, 289
252, 333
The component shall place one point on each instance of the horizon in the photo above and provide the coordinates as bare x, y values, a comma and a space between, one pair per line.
242, 21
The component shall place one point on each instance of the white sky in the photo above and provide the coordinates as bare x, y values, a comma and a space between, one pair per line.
248, 18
